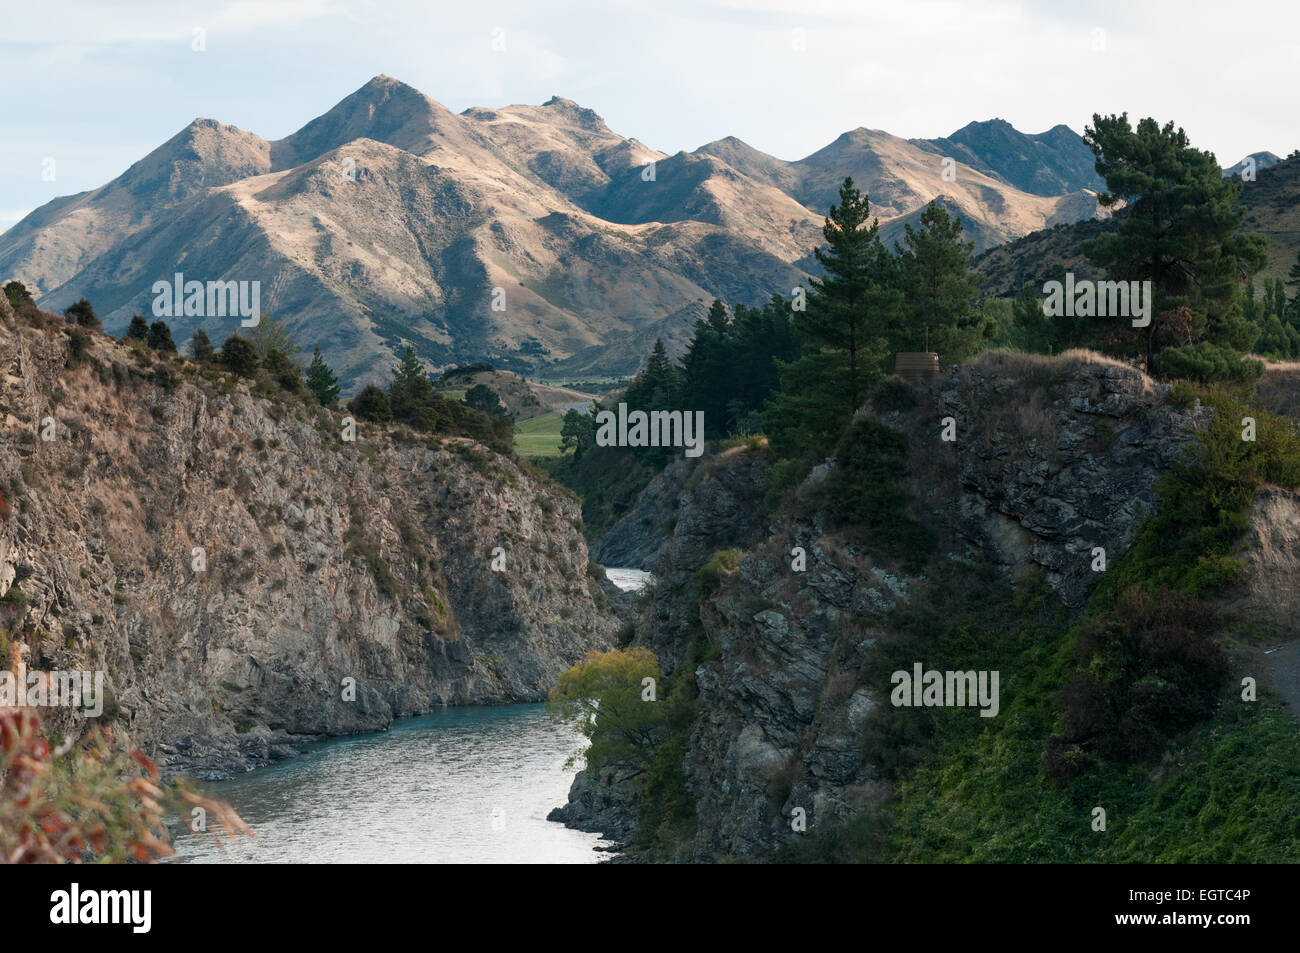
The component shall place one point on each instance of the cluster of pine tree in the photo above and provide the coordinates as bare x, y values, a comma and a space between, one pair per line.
797, 369
412, 400
871, 303
1276, 317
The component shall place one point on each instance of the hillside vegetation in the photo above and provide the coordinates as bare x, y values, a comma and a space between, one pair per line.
1102, 524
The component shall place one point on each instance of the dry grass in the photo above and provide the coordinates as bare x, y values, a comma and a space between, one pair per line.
1272, 365
1033, 418
1003, 359
1278, 390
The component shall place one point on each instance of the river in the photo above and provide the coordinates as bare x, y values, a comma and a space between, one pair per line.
465, 785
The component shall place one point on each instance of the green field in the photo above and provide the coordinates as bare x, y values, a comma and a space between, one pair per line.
540, 436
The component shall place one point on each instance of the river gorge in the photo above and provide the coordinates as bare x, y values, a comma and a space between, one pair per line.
468, 784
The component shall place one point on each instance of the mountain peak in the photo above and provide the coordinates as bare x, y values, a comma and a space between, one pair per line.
203, 154
384, 109
575, 114
986, 126
384, 81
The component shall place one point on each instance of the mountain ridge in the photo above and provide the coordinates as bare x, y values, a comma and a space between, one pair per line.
531, 236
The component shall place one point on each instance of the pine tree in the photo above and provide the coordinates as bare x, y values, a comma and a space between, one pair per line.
718, 319
658, 387
321, 380
938, 287
839, 315
240, 356
411, 392
83, 314
706, 370
137, 330
1293, 280
160, 337
1279, 298
201, 347
1181, 231
842, 335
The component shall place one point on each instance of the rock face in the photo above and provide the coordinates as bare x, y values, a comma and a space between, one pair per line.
1051, 461
599, 804
237, 569
1052, 458
1270, 549
639, 539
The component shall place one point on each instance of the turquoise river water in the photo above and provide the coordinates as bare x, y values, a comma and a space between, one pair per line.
466, 785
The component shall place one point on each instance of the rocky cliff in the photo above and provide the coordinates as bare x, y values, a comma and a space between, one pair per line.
1048, 461
246, 577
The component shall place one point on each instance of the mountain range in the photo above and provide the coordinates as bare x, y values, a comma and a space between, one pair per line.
530, 236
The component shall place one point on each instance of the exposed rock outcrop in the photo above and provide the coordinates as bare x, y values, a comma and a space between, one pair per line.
1052, 458
236, 568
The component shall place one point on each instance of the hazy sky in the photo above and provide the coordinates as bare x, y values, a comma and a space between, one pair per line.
96, 85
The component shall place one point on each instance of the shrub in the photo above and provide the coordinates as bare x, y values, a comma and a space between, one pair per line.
201, 347
19, 297
279, 363
750, 441
864, 492
160, 337
483, 398
82, 314
720, 565
88, 801
1205, 500
1183, 395
1206, 362
240, 356
137, 330
14, 598
1147, 670
164, 378
893, 394
78, 347
371, 404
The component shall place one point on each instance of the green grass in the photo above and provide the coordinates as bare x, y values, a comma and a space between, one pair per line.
973, 790
540, 436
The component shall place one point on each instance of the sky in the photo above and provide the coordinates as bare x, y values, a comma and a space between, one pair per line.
92, 86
